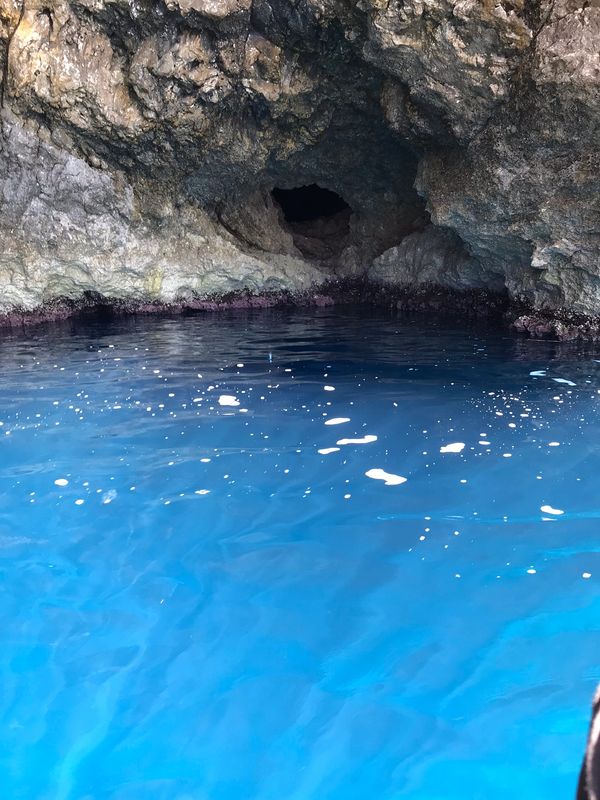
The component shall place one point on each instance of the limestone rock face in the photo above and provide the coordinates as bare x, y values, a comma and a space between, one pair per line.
140, 143
525, 194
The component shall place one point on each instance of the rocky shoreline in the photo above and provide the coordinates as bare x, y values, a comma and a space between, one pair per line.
479, 308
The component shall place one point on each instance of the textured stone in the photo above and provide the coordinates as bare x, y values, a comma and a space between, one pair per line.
524, 195
433, 255
140, 143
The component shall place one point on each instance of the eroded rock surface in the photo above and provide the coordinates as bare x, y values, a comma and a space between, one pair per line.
141, 142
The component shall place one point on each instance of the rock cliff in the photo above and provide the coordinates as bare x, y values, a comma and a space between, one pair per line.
174, 150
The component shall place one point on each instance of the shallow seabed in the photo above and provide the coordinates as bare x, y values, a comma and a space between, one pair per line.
206, 596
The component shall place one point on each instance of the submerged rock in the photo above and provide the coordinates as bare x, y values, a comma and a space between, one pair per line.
155, 152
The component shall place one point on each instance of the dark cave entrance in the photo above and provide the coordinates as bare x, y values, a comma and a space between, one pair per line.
317, 218
306, 203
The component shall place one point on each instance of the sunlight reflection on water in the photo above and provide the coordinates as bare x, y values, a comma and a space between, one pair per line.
300, 555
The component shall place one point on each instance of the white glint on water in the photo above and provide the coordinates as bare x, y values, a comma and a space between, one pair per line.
337, 420
108, 497
325, 451
61, 482
228, 400
564, 381
455, 447
550, 510
389, 477
363, 440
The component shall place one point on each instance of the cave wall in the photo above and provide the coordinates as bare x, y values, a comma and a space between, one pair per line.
140, 143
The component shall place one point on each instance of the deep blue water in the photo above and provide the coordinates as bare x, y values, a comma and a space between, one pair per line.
197, 604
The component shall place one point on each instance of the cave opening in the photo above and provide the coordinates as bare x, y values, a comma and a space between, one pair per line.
305, 203
317, 218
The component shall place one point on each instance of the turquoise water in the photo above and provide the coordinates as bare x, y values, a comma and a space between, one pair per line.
197, 603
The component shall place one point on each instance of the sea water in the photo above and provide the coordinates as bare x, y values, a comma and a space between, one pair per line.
304, 555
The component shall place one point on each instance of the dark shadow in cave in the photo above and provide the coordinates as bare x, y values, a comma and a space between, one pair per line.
308, 202
317, 218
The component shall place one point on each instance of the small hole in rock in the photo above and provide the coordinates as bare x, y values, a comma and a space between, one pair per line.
317, 218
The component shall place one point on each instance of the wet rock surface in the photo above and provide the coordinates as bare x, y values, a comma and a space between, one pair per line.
141, 144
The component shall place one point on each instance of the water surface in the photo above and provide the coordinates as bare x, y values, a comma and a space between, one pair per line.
199, 604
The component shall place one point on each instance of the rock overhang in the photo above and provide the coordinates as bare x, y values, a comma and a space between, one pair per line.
461, 135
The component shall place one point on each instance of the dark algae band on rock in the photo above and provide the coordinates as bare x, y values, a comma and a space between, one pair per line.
170, 153
477, 307
430, 300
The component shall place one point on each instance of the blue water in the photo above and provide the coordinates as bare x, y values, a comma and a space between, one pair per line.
197, 604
